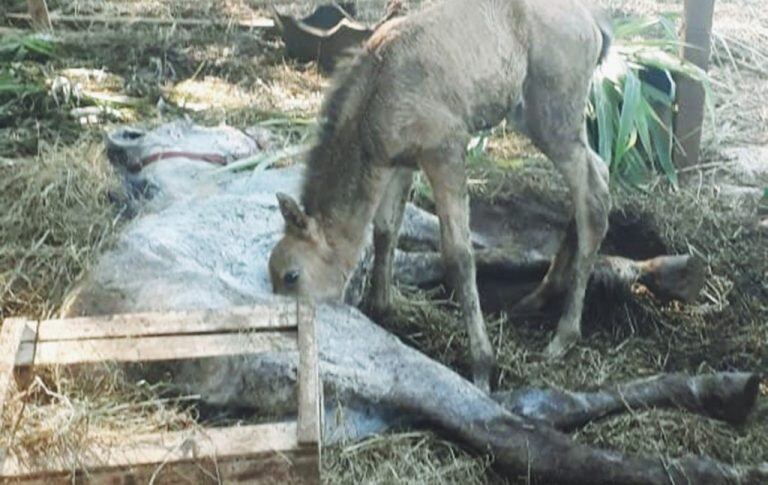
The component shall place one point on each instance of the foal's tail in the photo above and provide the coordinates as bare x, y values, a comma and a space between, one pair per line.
606, 31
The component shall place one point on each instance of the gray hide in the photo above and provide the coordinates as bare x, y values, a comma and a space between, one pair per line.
202, 241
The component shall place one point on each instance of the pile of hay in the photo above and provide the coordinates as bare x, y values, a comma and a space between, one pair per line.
56, 215
59, 419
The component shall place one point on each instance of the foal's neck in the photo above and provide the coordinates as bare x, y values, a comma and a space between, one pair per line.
342, 192
345, 229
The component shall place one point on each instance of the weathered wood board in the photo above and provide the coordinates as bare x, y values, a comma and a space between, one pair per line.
285, 452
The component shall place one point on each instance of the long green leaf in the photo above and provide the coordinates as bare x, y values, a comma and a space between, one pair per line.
605, 120
641, 123
18, 48
633, 27
629, 120
262, 161
661, 131
629, 113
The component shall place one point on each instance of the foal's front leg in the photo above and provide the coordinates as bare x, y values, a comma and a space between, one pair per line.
386, 228
448, 180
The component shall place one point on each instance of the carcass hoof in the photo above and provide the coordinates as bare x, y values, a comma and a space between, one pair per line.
543, 300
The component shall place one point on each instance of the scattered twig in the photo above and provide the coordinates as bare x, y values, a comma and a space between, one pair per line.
253, 23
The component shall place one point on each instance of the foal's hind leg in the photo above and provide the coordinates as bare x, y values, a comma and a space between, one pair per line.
386, 226
445, 170
587, 176
555, 117
555, 281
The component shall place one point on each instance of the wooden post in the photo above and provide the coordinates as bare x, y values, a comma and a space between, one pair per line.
11, 335
38, 12
309, 380
697, 34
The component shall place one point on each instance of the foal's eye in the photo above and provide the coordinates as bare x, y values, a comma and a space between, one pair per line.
290, 278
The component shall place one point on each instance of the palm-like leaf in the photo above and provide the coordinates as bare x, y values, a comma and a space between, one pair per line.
628, 117
13, 86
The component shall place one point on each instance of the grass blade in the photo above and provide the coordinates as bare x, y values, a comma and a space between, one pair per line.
629, 113
262, 161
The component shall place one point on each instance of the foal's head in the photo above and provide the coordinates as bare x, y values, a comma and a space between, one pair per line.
303, 262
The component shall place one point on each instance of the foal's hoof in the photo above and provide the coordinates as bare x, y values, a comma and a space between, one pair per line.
377, 311
483, 373
483, 383
560, 345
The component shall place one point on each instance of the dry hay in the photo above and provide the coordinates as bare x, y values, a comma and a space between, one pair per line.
408, 458
229, 73
59, 418
56, 216
60, 217
62, 205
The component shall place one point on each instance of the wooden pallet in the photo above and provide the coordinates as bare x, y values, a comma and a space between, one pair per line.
265, 453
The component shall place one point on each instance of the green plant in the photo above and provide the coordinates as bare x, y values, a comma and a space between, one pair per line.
25, 47
630, 119
14, 85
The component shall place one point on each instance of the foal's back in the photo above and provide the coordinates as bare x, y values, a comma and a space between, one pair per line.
460, 66
451, 69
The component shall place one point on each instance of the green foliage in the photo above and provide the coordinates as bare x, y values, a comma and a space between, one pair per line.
18, 48
629, 119
14, 85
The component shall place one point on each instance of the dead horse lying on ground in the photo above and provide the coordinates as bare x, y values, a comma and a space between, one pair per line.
411, 99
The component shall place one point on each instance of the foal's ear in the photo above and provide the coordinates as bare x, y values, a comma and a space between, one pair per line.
292, 213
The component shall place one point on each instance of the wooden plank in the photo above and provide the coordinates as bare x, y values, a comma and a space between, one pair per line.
252, 23
699, 15
253, 454
296, 466
309, 379
38, 13
266, 453
272, 317
149, 349
11, 335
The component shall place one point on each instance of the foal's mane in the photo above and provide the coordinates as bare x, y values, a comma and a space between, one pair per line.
337, 164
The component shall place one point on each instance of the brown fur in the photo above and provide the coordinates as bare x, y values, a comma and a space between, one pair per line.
410, 100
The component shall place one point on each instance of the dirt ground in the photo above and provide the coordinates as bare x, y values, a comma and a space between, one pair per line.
57, 188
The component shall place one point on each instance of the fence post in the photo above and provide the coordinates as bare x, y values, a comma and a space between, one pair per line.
38, 12
697, 36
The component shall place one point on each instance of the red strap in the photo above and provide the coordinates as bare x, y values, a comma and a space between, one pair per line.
205, 157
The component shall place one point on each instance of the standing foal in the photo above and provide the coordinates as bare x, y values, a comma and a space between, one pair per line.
411, 100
